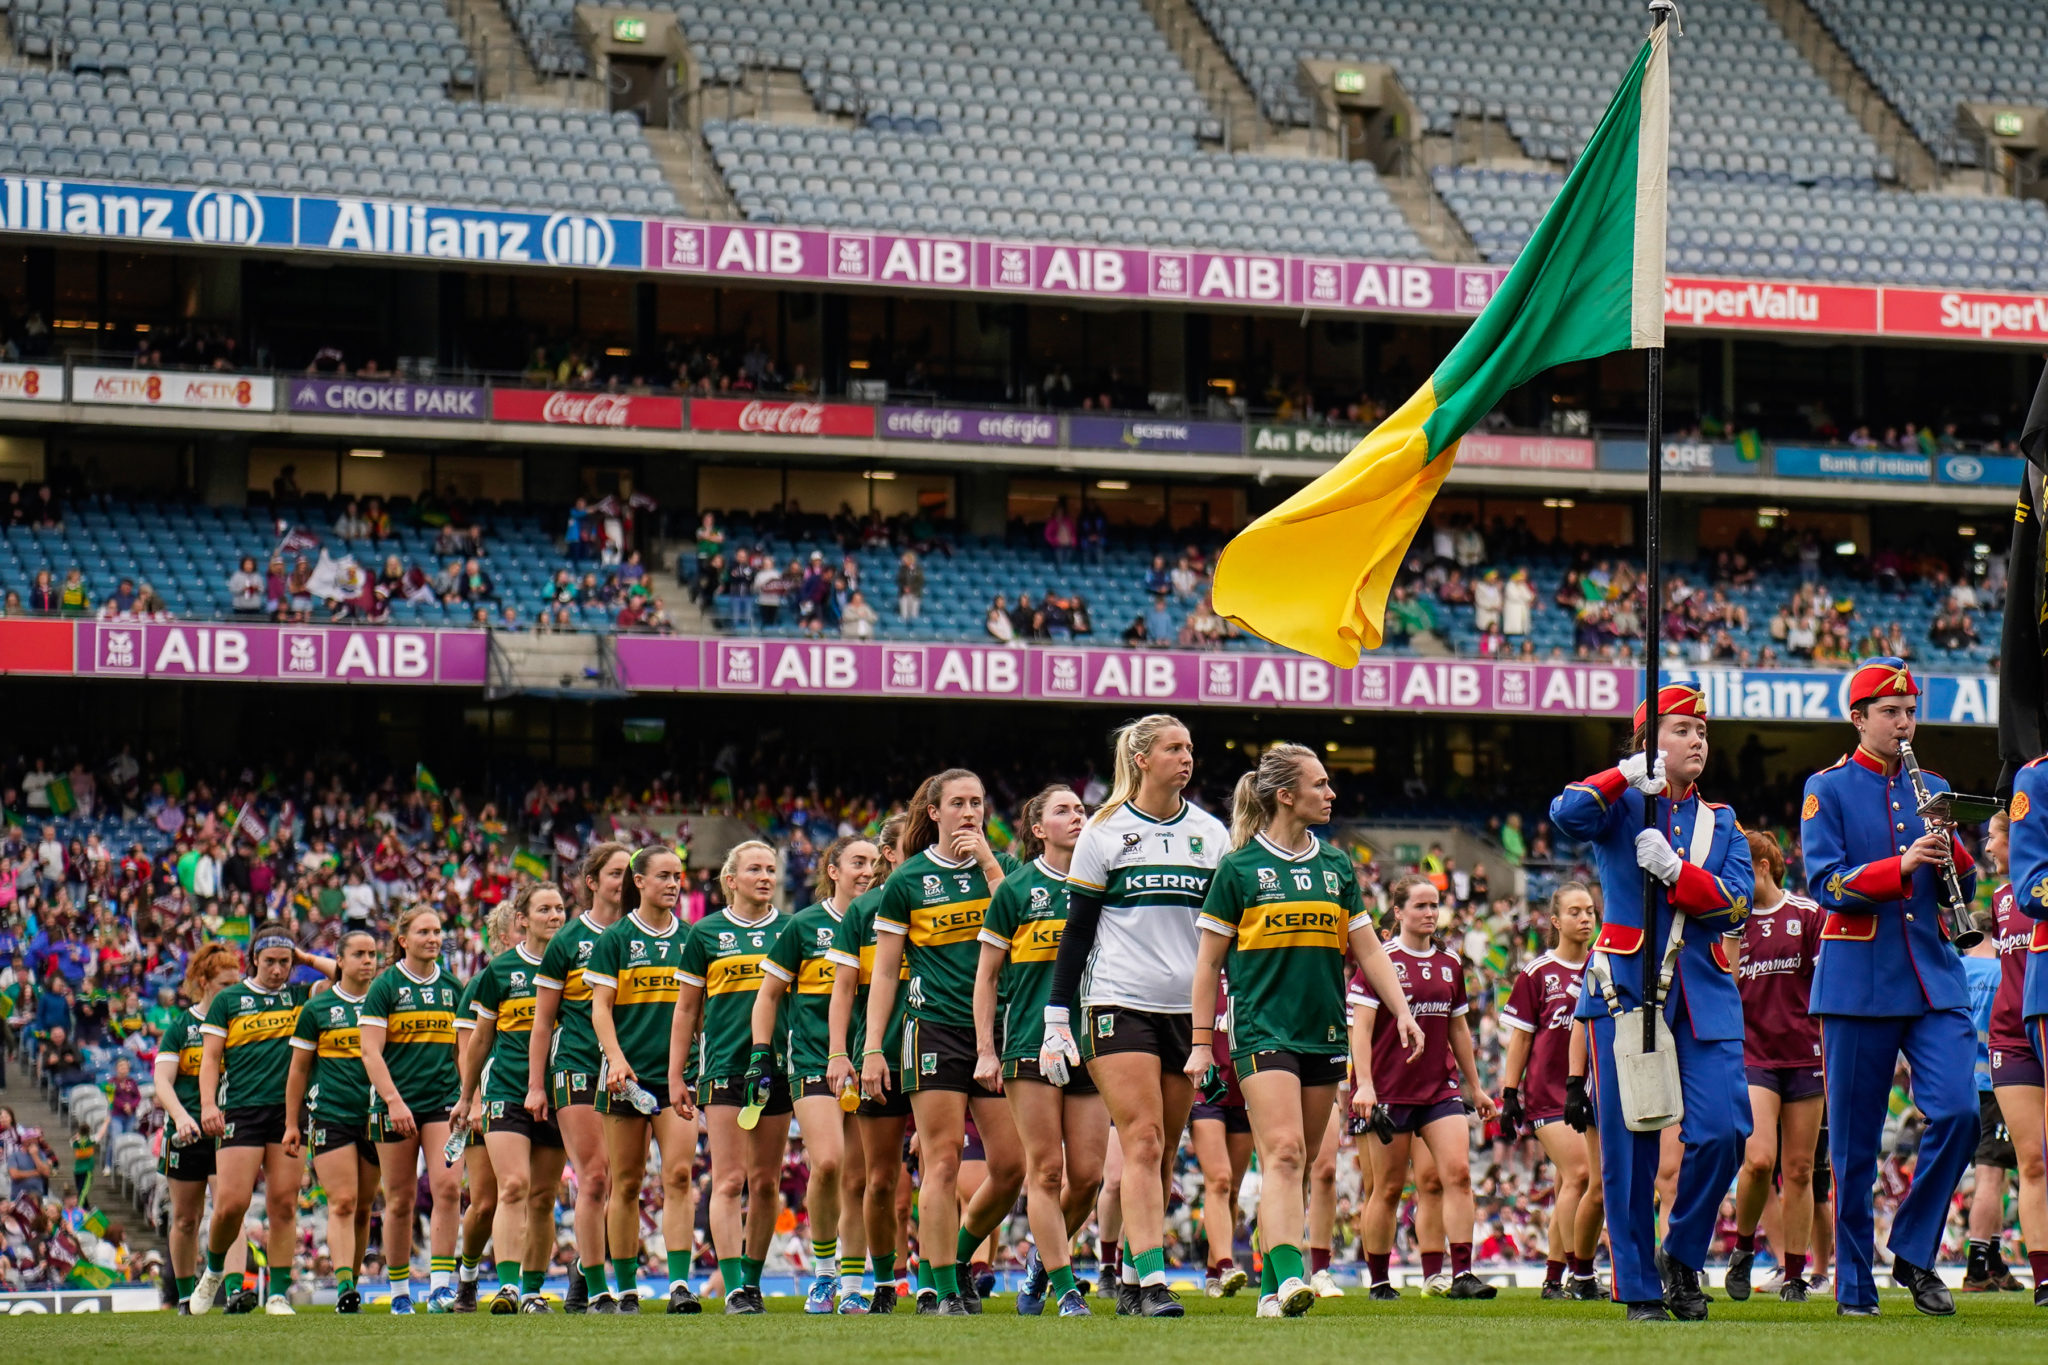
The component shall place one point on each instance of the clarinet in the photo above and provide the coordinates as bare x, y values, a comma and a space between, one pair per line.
1955, 912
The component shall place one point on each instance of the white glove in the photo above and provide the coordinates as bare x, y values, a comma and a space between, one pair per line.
1057, 1055
1655, 856
1644, 778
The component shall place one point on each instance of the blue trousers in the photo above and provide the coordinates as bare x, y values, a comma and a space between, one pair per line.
1715, 1126
1860, 1056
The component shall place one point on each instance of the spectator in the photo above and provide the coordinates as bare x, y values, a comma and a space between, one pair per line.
770, 588
1187, 579
998, 623
351, 524
1518, 604
814, 595
1094, 533
909, 587
1061, 535
1159, 627
1952, 629
121, 603
74, 598
1158, 578
1487, 599
1134, 633
245, 588
857, 619
476, 584
62, 1064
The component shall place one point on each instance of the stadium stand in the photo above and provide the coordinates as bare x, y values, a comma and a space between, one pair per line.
1928, 57
270, 95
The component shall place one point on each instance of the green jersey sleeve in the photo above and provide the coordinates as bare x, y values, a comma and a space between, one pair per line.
1352, 897
696, 959
607, 956
1005, 912
899, 896
1222, 908
487, 992
377, 1002
557, 960
785, 958
307, 1030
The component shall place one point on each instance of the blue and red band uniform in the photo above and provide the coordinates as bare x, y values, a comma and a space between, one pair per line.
1887, 983
2029, 856
1713, 893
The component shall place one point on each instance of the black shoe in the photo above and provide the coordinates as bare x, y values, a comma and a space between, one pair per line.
952, 1306
185, 1308
2041, 1296
1157, 1301
681, 1300
1682, 1292
1554, 1289
629, 1302
927, 1302
884, 1300
465, 1296
1652, 1311
244, 1300
745, 1300
1848, 1310
348, 1301
984, 1283
604, 1303
2007, 1281
1930, 1295
577, 1300
1466, 1285
1586, 1288
969, 1294
1383, 1293
1737, 1280
1126, 1300
1792, 1291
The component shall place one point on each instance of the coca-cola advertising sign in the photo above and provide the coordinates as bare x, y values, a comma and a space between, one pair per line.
778, 417
558, 408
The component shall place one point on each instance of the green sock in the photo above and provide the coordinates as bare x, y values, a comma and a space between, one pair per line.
530, 1281
235, 1283
344, 1280
1286, 1262
947, 1279
963, 1247
185, 1285
751, 1268
280, 1283
1062, 1280
1269, 1283
508, 1274
732, 1270
885, 1267
924, 1274
626, 1270
679, 1267
850, 1267
823, 1254
593, 1278
216, 1262
1152, 1266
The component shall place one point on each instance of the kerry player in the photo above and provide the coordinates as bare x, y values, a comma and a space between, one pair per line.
329, 1084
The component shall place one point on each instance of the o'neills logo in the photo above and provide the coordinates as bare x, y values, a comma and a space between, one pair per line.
586, 409
1702, 304
783, 419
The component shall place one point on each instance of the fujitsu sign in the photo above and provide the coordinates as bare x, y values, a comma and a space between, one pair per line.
770, 417
560, 408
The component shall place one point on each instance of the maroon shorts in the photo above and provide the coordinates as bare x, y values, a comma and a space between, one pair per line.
1413, 1118
1789, 1083
2015, 1066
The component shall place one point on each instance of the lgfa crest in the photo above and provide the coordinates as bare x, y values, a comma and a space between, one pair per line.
1269, 880
932, 885
1040, 898
727, 941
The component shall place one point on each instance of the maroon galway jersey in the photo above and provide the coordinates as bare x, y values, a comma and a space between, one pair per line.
1779, 947
1541, 1006
2013, 930
1434, 983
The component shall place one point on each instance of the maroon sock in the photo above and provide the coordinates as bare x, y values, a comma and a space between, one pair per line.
1745, 1241
2039, 1261
1580, 1267
1432, 1263
1224, 1267
1318, 1259
1376, 1265
1795, 1266
1461, 1258
1553, 1272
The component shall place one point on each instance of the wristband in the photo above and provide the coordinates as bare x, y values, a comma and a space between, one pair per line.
1210, 1031
874, 1052
835, 1056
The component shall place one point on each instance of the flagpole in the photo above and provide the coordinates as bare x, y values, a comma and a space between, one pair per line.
1653, 620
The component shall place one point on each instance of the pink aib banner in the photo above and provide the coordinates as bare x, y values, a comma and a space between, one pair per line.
230, 651
1081, 674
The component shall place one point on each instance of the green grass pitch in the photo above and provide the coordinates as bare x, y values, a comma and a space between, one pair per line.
1516, 1329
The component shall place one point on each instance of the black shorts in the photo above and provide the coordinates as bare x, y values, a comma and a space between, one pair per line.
1310, 1068
1994, 1139
732, 1091
1413, 1118
939, 1057
381, 1130
258, 1126
1823, 1165
192, 1162
608, 1103
2015, 1066
894, 1105
811, 1088
1235, 1118
1789, 1083
507, 1116
1107, 1029
567, 1089
1079, 1082
326, 1137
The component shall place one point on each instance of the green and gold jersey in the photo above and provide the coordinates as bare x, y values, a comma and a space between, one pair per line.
502, 995
1288, 917
183, 1039
640, 965
938, 906
801, 959
255, 1027
853, 947
574, 1046
418, 1018
1026, 917
330, 1027
723, 957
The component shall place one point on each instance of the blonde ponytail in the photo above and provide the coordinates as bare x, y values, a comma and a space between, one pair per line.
1256, 799
1130, 740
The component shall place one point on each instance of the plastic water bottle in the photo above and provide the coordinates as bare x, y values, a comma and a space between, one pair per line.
457, 1142
641, 1098
849, 1095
